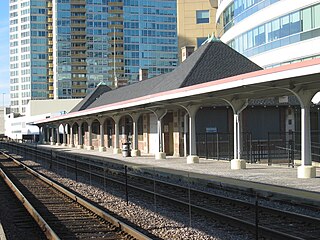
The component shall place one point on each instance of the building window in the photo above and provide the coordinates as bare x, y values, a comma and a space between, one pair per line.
200, 41
202, 16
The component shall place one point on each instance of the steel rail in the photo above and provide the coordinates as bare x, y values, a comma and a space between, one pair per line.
99, 212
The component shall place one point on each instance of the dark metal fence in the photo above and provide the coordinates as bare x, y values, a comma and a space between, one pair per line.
279, 147
215, 145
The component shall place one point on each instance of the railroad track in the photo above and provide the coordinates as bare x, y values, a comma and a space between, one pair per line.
14, 218
60, 213
261, 220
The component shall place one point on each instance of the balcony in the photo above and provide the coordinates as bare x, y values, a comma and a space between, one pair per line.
116, 11
78, 64
117, 72
115, 19
118, 64
82, 86
79, 71
80, 33
117, 49
117, 41
80, 10
79, 25
115, 4
78, 55
117, 34
80, 48
82, 17
78, 95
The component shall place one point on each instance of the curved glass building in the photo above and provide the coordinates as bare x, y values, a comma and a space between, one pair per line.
271, 32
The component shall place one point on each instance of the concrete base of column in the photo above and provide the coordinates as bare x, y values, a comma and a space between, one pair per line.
79, 146
306, 172
89, 147
52, 143
64, 144
238, 164
71, 145
192, 159
58, 144
160, 155
135, 153
116, 150
102, 149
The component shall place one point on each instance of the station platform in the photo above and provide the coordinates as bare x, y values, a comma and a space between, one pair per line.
277, 181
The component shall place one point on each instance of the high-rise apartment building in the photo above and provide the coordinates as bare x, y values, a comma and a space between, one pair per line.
64, 48
271, 32
196, 20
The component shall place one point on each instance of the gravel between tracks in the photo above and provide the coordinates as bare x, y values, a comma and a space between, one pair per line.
171, 224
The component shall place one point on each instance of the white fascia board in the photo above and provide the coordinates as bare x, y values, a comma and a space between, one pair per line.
259, 77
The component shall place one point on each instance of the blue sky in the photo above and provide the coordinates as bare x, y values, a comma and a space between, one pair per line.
4, 52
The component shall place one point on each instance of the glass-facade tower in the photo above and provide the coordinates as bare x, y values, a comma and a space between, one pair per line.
150, 37
64, 48
271, 32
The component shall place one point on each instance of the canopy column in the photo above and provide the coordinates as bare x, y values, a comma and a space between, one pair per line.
89, 147
41, 134
238, 105
192, 111
116, 149
306, 170
71, 136
58, 135
135, 145
102, 148
52, 142
64, 136
160, 113
80, 139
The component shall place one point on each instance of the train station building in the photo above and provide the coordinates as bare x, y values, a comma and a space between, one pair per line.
215, 97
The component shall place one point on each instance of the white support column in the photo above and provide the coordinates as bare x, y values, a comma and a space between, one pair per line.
102, 148
306, 170
64, 136
80, 140
135, 149
237, 107
41, 133
116, 148
48, 135
71, 137
160, 113
58, 136
192, 157
90, 147
185, 132
52, 142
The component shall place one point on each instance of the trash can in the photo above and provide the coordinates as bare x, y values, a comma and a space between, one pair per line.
126, 151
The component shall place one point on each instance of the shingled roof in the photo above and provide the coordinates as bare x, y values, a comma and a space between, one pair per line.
212, 61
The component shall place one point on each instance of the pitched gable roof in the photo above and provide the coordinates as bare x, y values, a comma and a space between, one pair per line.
91, 97
212, 61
